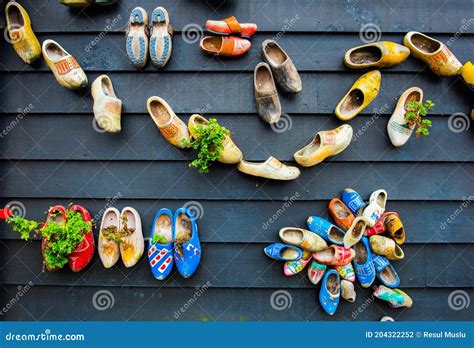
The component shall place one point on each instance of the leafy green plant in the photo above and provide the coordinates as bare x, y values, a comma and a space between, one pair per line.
208, 141
416, 112
159, 239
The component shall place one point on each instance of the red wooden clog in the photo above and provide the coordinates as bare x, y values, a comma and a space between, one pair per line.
83, 253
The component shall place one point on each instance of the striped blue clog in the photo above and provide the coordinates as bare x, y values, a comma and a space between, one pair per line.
160, 37
137, 37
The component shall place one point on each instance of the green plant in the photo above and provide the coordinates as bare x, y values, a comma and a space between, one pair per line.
416, 112
208, 141
159, 239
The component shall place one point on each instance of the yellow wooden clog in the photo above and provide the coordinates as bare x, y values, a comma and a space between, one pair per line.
382, 54
231, 154
361, 94
467, 74
434, 53
21, 34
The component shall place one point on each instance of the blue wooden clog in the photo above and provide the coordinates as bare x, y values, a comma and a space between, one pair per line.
330, 292
385, 271
275, 251
187, 255
326, 230
363, 265
353, 200
160, 249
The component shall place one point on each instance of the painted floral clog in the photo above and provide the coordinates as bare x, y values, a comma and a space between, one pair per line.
160, 249
160, 37
187, 247
387, 247
326, 230
302, 238
56, 214
347, 291
107, 107
316, 271
364, 267
360, 95
225, 46
395, 228
65, 68
108, 247
467, 74
230, 154
334, 255
330, 292
132, 243
20, 33
399, 131
341, 214
434, 53
346, 272
270, 169
353, 201
373, 212
355, 232
230, 26
385, 271
290, 268
379, 227
324, 144
381, 54
395, 297
173, 129
137, 37
83, 253
284, 252
266, 95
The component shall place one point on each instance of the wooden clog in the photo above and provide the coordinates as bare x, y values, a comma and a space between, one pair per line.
381, 54
266, 95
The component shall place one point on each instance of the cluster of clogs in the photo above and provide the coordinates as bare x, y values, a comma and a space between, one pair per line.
229, 39
360, 244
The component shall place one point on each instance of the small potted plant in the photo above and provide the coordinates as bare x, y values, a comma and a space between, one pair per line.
416, 112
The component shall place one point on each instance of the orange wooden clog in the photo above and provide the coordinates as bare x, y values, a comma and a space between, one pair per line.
230, 26
341, 214
225, 46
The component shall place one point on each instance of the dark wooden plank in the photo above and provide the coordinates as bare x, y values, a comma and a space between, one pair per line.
221, 93
66, 303
73, 137
285, 15
174, 180
259, 221
242, 265
309, 52
449, 267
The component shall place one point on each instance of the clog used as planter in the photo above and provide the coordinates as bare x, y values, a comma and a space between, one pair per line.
467, 74
160, 249
20, 33
360, 95
173, 129
284, 252
326, 230
266, 96
109, 250
82, 254
334, 255
330, 292
434, 53
355, 232
137, 37
395, 229
363, 264
373, 212
283, 68
395, 297
381, 54
132, 245
353, 201
230, 26
55, 214
347, 291
324, 144
341, 214
346, 272
385, 271
160, 37
226, 46
290, 268
270, 169
230, 154
187, 247
107, 107
398, 129
316, 271
387, 247
302, 238
65, 68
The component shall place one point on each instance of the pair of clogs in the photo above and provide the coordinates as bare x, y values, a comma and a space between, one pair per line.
174, 239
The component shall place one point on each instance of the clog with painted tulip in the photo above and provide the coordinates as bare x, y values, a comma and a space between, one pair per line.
161, 32
387, 247
230, 154
137, 37
107, 107
395, 297
353, 201
467, 73
385, 271
346, 272
355, 232
160, 248
302, 238
231, 26
132, 243
290, 268
347, 291
283, 252
434, 53
316, 271
324, 144
395, 228
108, 246
20, 33
326, 230
373, 212
381, 54
270, 169
334, 255
341, 214
379, 227
330, 292
360, 95
187, 246
225, 46
363, 264
65, 68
